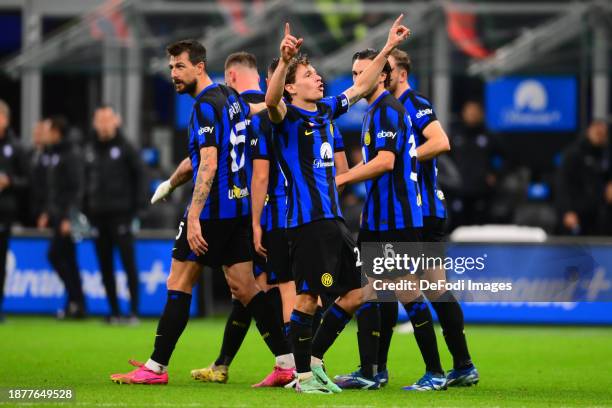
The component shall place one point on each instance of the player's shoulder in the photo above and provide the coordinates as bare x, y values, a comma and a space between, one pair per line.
390, 103
416, 99
253, 96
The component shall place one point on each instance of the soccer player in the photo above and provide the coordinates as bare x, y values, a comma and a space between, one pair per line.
392, 210
269, 204
215, 230
324, 256
432, 140
241, 74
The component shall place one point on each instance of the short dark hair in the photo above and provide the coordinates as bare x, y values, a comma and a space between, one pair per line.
195, 50
59, 123
272, 67
370, 54
241, 58
301, 59
402, 60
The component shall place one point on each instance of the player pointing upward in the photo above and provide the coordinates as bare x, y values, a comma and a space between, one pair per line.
324, 256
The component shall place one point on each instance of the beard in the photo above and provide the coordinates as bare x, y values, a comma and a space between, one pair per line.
188, 87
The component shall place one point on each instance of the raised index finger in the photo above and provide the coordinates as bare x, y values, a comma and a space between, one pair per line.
287, 29
397, 20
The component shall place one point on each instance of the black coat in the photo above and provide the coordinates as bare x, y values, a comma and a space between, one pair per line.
64, 181
115, 179
581, 179
13, 163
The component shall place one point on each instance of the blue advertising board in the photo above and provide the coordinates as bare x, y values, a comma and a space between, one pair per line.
32, 286
580, 276
531, 104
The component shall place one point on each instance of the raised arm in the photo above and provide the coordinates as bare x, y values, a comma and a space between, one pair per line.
370, 75
274, 96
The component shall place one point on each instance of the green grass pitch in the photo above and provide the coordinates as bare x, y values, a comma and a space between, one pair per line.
519, 366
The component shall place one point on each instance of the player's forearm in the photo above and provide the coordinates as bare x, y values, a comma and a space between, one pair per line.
369, 77
274, 94
182, 174
259, 190
435, 144
341, 165
367, 171
204, 182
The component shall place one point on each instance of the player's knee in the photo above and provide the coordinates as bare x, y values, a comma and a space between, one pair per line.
351, 301
434, 295
306, 303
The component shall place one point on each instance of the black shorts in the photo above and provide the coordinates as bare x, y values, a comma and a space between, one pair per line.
324, 258
398, 235
229, 242
434, 229
278, 265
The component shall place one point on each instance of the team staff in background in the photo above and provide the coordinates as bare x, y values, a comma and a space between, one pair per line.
13, 180
115, 193
63, 197
216, 229
324, 257
584, 182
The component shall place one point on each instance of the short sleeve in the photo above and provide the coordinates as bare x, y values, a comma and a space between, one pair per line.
205, 126
338, 142
421, 112
258, 137
338, 105
390, 130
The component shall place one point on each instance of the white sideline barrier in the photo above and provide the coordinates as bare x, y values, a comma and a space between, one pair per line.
498, 233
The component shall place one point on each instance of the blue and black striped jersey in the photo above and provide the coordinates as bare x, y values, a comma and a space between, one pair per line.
393, 200
217, 119
421, 113
305, 144
247, 97
260, 147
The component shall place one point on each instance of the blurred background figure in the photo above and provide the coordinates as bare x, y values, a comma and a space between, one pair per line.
116, 193
12, 182
34, 199
584, 183
472, 152
63, 195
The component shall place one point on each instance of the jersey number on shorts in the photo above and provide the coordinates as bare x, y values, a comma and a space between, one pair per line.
358, 263
181, 225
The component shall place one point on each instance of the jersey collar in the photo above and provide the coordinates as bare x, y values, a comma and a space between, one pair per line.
209, 87
405, 94
253, 91
382, 95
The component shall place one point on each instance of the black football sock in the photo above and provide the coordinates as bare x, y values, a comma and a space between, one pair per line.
424, 333
287, 331
388, 320
236, 329
334, 320
268, 324
275, 300
316, 319
171, 325
300, 334
450, 316
368, 337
